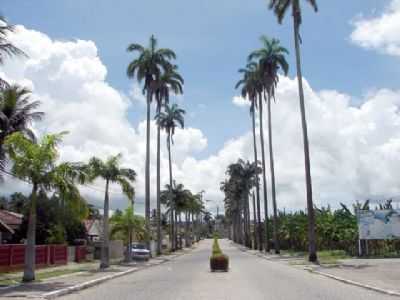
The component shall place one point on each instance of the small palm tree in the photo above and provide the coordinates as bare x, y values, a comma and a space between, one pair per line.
130, 226
169, 81
111, 172
147, 67
252, 88
168, 120
7, 49
271, 58
280, 8
16, 114
36, 163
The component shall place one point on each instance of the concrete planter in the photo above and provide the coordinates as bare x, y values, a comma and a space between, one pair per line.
219, 263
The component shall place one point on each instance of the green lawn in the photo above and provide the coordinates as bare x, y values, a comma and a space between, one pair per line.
15, 278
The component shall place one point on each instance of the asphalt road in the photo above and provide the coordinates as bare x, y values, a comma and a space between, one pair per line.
249, 278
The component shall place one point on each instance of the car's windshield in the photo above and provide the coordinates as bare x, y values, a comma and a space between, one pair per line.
138, 246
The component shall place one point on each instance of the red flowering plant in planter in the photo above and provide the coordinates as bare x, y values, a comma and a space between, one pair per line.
218, 260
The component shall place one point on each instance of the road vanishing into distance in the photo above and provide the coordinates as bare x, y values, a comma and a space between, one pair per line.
250, 278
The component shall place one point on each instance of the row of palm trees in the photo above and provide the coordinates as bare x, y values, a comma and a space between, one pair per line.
242, 178
180, 201
37, 163
258, 84
154, 68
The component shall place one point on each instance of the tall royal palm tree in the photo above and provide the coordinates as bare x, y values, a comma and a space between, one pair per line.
172, 117
271, 58
169, 81
251, 88
7, 49
147, 67
111, 172
16, 115
280, 8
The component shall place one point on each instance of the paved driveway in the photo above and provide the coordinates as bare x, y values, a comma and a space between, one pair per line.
250, 278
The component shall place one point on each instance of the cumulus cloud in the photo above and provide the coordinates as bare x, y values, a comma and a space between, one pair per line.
240, 101
68, 78
354, 149
380, 33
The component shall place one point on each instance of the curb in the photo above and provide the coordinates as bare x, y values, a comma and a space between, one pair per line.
87, 284
90, 283
355, 283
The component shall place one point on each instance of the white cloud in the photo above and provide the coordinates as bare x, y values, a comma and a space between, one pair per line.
136, 94
240, 101
354, 150
69, 79
380, 33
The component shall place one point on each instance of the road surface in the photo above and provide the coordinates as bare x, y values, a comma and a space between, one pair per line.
249, 278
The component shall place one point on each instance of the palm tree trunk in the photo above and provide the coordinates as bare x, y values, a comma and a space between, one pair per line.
105, 254
159, 238
254, 221
173, 236
147, 173
271, 163
260, 239
172, 229
264, 175
248, 220
187, 230
30, 249
312, 246
130, 240
245, 222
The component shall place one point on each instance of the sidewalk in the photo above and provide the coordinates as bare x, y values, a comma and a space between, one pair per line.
382, 275
87, 275
379, 273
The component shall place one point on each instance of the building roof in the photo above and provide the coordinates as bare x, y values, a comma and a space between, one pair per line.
10, 219
93, 227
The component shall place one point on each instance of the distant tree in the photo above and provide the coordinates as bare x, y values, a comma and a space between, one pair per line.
147, 67
251, 88
111, 171
270, 59
169, 119
169, 81
3, 202
18, 203
130, 226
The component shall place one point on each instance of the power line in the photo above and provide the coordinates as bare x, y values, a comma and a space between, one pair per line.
98, 189
95, 188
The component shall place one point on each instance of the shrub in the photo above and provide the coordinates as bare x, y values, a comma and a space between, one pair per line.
216, 250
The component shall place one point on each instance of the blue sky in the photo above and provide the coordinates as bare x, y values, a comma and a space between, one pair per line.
212, 39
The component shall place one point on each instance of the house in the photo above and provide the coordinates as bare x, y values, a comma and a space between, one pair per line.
9, 223
93, 229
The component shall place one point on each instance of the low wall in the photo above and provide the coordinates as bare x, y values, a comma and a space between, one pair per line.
13, 256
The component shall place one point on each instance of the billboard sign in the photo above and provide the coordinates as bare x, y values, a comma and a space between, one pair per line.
379, 224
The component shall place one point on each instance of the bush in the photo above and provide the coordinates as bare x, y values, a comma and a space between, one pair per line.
216, 250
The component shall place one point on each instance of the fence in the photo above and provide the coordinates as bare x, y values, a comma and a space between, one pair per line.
13, 256
80, 253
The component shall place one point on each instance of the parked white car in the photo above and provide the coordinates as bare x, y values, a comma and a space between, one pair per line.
140, 252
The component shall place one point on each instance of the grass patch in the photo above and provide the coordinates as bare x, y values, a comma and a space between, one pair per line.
12, 280
326, 257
